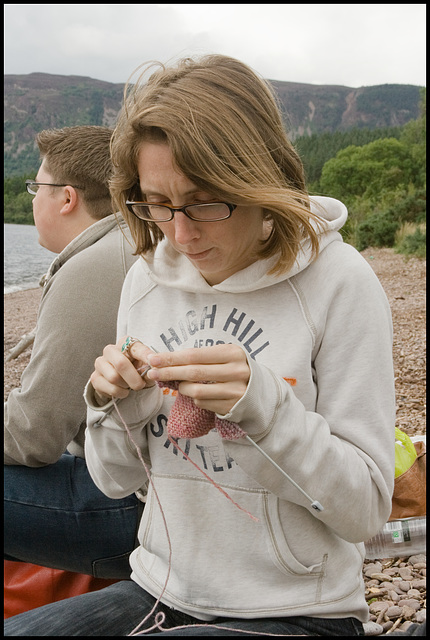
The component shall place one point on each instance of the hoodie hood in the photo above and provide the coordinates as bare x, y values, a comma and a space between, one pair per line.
169, 268
86, 238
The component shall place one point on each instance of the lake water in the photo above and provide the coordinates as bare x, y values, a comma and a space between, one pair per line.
25, 261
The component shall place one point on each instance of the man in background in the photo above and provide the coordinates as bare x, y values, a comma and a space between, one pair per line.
54, 514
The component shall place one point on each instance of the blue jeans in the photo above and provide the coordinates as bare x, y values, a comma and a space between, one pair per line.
118, 609
55, 516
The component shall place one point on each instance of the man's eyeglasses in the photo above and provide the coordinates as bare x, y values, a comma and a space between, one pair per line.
33, 187
209, 212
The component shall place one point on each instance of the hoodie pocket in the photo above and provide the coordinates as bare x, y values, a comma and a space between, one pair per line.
279, 548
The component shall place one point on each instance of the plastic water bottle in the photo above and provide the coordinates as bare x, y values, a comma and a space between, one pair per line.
398, 538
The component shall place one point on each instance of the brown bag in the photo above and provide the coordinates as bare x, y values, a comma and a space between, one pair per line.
409, 497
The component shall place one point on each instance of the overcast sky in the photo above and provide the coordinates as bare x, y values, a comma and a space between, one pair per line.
346, 44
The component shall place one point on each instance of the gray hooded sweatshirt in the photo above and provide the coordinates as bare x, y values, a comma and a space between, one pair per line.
76, 319
319, 402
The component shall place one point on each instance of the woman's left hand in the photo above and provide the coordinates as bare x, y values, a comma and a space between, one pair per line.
224, 366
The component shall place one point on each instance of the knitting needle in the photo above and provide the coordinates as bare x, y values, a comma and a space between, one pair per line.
314, 503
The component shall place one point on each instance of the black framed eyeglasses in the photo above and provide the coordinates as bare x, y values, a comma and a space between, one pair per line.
207, 212
32, 186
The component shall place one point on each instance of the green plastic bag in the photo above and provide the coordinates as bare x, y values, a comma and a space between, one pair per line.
405, 453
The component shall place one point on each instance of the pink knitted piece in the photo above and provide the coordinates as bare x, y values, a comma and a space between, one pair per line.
188, 421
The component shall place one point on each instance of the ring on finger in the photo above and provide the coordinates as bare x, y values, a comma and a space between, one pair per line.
129, 342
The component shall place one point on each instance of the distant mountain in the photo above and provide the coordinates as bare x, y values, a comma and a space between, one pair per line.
328, 108
40, 100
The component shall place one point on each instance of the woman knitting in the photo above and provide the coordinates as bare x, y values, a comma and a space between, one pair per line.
253, 363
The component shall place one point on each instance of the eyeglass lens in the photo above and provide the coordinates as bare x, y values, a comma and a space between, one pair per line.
159, 213
32, 187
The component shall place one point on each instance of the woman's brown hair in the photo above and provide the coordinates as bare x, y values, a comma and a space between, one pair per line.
225, 131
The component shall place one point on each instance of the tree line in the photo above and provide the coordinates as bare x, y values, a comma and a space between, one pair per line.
378, 173
383, 184
17, 202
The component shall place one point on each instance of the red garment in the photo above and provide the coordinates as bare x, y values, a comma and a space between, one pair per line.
28, 586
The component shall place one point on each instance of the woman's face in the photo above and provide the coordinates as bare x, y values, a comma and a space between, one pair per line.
216, 249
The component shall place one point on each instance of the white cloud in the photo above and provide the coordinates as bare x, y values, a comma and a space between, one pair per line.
349, 44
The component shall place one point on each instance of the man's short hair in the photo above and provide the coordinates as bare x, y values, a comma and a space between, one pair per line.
80, 156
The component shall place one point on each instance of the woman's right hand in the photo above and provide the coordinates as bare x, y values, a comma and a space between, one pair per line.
116, 373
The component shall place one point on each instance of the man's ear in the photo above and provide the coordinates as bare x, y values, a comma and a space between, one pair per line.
70, 200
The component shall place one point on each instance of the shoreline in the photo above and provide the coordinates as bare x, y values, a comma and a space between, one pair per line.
10, 293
